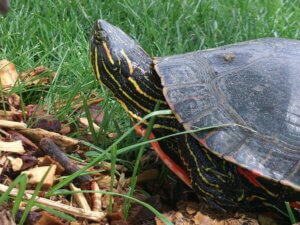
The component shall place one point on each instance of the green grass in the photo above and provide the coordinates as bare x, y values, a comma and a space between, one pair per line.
56, 34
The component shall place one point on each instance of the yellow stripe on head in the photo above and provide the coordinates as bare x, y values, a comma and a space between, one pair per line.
108, 53
110, 74
128, 62
96, 65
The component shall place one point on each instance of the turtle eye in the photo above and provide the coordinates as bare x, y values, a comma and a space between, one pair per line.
98, 33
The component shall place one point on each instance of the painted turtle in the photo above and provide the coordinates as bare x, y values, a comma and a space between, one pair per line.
252, 85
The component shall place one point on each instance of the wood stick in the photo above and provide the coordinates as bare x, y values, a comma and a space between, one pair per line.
96, 197
79, 198
51, 149
92, 215
12, 124
37, 134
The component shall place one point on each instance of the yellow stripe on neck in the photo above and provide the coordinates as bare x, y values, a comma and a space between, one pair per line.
137, 87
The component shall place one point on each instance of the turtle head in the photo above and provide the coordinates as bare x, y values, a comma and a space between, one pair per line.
116, 57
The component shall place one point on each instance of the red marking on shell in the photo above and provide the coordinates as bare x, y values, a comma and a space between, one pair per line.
287, 183
202, 141
230, 159
165, 158
295, 205
250, 175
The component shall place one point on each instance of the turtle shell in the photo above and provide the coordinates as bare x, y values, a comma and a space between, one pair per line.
254, 88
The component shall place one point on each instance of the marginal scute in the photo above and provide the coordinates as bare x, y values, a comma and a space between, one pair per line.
184, 73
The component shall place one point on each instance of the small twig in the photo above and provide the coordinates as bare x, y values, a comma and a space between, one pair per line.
79, 198
96, 197
51, 149
7, 135
12, 124
17, 136
92, 215
89, 102
37, 134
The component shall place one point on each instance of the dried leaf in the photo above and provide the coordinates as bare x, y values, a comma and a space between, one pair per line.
14, 101
65, 130
104, 182
8, 73
49, 123
202, 219
97, 113
37, 76
191, 208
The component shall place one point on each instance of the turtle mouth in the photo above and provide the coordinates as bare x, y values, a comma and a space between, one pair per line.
100, 31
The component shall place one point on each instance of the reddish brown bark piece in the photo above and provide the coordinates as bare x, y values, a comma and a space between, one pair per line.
25, 141
41, 218
4, 6
51, 149
28, 161
49, 123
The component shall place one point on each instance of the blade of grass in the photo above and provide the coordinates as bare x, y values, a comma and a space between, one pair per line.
5, 195
30, 203
112, 175
290, 213
137, 164
53, 85
104, 154
90, 120
134, 146
19, 197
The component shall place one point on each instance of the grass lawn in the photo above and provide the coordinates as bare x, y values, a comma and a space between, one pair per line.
56, 34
